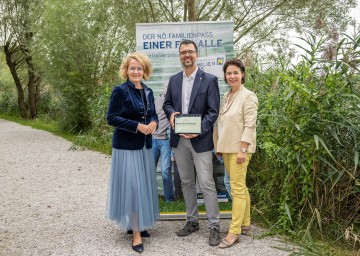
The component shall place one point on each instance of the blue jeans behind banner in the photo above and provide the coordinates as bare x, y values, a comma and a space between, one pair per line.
227, 183
162, 148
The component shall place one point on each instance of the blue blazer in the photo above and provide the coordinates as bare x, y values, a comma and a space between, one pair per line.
126, 110
204, 100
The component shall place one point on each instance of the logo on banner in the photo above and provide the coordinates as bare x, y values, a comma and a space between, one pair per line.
212, 65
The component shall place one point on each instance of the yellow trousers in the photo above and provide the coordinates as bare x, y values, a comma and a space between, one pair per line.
239, 192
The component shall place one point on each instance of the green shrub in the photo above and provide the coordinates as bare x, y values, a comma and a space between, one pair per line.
305, 175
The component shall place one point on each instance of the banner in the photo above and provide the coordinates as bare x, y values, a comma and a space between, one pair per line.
160, 41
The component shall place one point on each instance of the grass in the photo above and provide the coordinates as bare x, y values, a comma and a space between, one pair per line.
179, 206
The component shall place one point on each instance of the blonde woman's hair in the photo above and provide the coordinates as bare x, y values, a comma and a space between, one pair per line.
142, 59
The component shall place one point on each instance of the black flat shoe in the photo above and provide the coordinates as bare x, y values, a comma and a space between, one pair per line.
142, 233
138, 248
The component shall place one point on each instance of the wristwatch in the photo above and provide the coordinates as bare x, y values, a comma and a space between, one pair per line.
244, 150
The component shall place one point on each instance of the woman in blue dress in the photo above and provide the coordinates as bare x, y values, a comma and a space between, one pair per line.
132, 197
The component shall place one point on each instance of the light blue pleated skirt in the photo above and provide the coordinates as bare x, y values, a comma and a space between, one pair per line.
132, 195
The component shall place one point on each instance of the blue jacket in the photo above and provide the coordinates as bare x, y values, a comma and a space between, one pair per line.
126, 110
204, 100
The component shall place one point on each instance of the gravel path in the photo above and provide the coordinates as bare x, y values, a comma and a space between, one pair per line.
52, 202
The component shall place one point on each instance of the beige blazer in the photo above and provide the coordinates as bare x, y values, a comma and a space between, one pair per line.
236, 122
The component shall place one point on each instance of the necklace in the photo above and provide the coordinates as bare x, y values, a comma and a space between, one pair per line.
234, 90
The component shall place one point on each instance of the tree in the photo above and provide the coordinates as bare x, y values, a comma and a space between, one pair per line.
15, 39
258, 23
79, 45
7, 88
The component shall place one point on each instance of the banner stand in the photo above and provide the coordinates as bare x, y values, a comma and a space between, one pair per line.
182, 215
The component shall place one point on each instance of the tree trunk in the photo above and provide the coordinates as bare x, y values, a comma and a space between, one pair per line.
12, 67
191, 10
31, 86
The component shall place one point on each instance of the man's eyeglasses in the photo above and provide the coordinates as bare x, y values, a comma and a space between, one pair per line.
138, 69
190, 52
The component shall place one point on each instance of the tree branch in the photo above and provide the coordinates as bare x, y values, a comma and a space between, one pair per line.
163, 7
246, 31
219, 12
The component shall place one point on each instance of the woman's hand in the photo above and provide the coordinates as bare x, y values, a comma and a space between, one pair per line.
143, 128
152, 126
240, 158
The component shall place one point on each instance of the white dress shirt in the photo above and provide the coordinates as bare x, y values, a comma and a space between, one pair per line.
187, 85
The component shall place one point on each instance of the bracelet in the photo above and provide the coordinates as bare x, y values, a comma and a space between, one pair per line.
244, 150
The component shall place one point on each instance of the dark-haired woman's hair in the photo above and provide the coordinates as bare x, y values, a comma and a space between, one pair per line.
239, 64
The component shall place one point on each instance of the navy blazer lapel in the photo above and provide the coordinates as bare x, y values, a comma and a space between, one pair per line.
199, 78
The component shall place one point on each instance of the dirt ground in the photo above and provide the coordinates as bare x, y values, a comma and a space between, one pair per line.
52, 202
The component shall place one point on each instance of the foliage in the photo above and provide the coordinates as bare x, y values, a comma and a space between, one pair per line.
305, 175
72, 48
257, 24
8, 102
79, 45
100, 134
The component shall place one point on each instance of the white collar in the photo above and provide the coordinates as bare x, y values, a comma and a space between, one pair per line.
193, 74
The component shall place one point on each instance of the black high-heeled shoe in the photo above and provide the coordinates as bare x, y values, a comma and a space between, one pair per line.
138, 248
142, 233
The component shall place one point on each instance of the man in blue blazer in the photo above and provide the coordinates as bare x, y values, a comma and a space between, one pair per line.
193, 91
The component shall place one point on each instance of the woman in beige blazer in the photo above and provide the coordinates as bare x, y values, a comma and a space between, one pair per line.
235, 139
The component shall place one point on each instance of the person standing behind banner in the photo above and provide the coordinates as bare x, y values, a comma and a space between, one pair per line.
227, 183
226, 176
193, 91
177, 180
161, 147
133, 198
235, 139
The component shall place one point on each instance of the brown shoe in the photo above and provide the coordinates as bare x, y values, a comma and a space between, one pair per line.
226, 244
246, 231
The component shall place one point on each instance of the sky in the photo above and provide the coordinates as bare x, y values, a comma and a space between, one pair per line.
356, 13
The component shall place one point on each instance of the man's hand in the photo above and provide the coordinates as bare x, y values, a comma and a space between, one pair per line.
188, 136
172, 119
